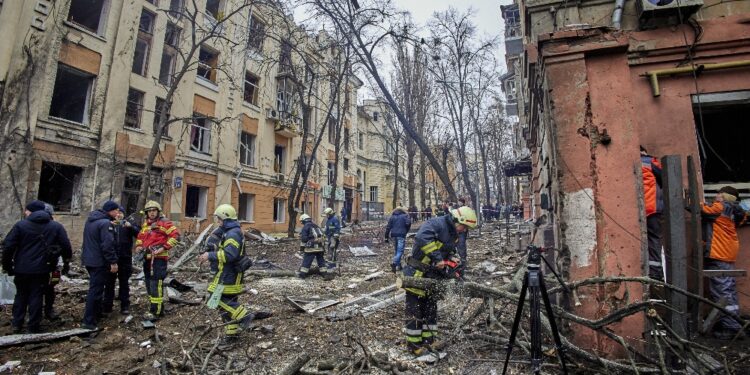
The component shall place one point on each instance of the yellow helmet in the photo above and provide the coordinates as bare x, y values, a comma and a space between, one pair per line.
328, 211
151, 205
465, 215
225, 211
304, 217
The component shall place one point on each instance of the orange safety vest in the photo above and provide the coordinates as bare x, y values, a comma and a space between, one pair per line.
720, 231
651, 190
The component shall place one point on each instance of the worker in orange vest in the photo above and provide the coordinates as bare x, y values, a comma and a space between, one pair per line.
654, 203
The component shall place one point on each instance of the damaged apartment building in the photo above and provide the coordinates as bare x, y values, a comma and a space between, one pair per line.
594, 80
82, 87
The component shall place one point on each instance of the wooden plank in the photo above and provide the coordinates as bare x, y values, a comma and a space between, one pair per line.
675, 244
696, 240
29, 338
724, 273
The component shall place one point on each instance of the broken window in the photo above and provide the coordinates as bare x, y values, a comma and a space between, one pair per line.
373, 193
331, 173
147, 22
346, 164
175, 7
88, 14
361, 141
71, 95
131, 188
278, 210
247, 207
285, 57
196, 201
212, 8
284, 96
375, 116
208, 60
257, 32
157, 113
169, 54
143, 43
59, 185
247, 149
133, 109
346, 140
332, 130
721, 135
200, 134
278, 160
251, 88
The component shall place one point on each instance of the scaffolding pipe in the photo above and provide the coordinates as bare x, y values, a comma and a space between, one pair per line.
654, 75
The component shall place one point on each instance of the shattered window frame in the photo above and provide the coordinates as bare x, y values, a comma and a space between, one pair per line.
196, 201
61, 191
251, 88
208, 61
134, 109
200, 134
157, 113
77, 6
256, 33
247, 149
246, 210
279, 205
61, 102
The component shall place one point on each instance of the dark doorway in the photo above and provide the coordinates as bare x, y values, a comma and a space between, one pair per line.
59, 185
721, 123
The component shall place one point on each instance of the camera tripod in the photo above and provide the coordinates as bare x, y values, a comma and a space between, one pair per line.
533, 282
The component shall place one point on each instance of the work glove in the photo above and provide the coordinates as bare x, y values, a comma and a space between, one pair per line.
66, 268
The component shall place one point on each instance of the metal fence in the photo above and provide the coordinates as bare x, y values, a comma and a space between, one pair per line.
372, 211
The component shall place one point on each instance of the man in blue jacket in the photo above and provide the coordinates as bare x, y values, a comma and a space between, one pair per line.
227, 280
332, 232
99, 257
28, 255
398, 226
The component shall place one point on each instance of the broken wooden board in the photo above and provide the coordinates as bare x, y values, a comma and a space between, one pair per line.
310, 304
367, 304
361, 251
29, 338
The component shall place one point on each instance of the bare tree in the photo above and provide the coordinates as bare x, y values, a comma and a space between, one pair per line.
413, 93
366, 24
457, 58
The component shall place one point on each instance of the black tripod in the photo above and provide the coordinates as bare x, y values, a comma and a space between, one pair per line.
533, 281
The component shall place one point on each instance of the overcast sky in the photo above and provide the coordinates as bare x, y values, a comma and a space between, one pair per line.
487, 18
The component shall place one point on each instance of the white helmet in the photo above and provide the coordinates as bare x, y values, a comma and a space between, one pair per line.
328, 211
304, 217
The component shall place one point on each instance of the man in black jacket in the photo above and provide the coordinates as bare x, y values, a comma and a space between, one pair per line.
55, 272
27, 256
125, 232
99, 257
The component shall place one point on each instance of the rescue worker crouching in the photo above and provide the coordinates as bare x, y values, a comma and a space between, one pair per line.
156, 237
311, 243
226, 285
433, 256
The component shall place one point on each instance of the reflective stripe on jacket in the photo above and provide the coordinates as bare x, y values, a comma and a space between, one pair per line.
158, 233
435, 241
225, 259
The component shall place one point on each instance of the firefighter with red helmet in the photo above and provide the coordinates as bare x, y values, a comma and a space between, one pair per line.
156, 237
433, 256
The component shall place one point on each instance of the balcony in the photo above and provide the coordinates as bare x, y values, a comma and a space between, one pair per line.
286, 128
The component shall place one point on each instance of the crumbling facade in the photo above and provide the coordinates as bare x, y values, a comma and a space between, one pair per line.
587, 102
81, 90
